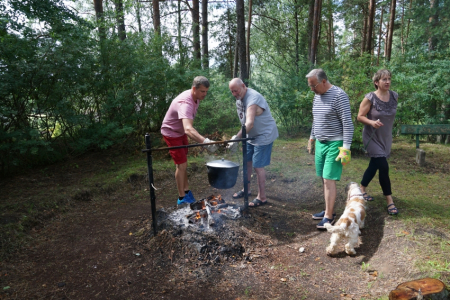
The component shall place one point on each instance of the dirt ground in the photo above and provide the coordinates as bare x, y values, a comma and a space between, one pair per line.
101, 246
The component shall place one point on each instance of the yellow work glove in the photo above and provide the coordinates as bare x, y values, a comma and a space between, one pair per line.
344, 156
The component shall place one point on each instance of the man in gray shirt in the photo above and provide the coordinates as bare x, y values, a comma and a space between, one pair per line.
254, 112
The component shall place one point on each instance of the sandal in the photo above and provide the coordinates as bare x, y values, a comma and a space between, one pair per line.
367, 197
322, 223
256, 202
321, 215
240, 194
392, 211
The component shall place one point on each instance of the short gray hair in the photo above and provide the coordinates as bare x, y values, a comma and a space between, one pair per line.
200, 80
319, 74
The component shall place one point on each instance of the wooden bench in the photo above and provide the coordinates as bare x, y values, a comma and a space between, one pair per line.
433, 129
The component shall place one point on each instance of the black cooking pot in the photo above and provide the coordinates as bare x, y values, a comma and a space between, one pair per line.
222, 174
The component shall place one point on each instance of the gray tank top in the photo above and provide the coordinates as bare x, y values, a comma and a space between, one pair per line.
381, 143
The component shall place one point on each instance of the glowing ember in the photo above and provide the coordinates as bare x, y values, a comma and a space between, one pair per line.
207, 212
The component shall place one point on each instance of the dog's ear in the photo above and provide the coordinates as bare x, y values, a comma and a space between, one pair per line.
347, 188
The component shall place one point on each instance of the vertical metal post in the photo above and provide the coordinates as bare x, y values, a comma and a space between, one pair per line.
148, 145
244, 167
417, 141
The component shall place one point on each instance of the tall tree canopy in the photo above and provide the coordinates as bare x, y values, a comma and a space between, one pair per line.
82, 75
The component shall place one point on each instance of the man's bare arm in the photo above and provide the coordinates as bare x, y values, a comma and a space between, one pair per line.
252, 111
191, 132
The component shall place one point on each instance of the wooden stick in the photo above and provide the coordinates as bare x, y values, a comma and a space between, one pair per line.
197, 145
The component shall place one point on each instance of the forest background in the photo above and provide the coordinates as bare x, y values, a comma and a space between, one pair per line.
77, 76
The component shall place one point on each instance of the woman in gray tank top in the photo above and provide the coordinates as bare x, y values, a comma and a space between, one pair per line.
377, 112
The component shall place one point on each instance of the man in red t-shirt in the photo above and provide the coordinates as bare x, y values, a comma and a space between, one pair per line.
178, 125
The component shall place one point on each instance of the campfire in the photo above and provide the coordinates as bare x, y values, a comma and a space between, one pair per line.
206, 213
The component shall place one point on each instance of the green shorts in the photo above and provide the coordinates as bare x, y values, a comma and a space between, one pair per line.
326, 165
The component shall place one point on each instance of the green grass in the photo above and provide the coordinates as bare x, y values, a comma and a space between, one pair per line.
421, 194
365, 267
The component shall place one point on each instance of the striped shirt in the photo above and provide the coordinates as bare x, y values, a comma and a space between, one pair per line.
332, 119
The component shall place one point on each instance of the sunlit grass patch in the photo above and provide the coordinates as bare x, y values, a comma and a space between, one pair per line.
433, 248
291, 160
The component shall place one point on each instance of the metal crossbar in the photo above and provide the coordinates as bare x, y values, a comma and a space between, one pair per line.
149, 151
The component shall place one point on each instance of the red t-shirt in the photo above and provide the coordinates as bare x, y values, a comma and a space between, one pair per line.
182, 107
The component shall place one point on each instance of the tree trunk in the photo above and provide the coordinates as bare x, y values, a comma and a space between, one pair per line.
195, 11
370, 22
402, 40
391, 30
364, 31
249, 24
241, 37
433, 21
236, 58
328, 33
180, 42
297, 56
315, 32
309, 26
138, 15
386, 37
320, 28
427, 288
230, 43
156, 18
205, 51
407, 27
374, 38
120, 20
98, 6
380, 32
330, 30
446, 108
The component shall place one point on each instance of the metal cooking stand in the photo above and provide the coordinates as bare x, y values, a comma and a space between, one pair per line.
149, 150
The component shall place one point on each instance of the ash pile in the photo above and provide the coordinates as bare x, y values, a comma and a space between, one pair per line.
206, 214
206, 232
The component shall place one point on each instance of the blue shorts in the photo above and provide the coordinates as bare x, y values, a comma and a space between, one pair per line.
259, 155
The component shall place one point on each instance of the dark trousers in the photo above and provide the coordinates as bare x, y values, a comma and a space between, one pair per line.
380, 164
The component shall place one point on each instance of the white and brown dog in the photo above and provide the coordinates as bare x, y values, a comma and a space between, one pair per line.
348, 225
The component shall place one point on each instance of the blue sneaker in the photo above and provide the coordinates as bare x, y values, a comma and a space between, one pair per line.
183, 201
319, 216
321, 224
189, 198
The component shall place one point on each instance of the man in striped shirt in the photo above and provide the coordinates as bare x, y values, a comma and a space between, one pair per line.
332, 130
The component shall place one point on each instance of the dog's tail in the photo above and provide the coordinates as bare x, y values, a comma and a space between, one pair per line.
334, 229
